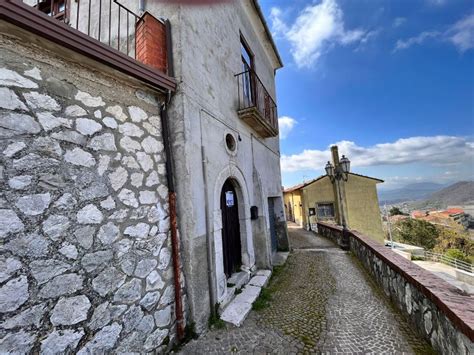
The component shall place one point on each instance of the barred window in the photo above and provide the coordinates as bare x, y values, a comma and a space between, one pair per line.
325, 210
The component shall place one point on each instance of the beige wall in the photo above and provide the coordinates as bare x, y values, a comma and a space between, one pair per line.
363, 207
294, 200
361, 204
320, 191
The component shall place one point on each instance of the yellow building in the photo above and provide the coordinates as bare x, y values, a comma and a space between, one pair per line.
294, 204
318, 198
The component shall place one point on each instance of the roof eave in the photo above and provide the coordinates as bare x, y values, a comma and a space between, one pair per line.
268, 33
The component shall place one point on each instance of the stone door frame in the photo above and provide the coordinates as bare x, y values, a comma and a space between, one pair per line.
233, 173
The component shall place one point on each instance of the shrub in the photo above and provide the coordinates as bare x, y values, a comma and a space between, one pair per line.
458, 254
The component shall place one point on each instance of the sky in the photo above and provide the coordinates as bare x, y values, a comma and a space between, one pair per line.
390, 82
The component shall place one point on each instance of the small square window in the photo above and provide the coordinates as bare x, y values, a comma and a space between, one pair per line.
325, 210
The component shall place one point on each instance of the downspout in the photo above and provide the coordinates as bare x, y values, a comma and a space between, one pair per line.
172, 193
173, 219
141, 6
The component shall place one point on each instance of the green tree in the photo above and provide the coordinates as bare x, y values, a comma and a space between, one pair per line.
457, 254
394, 211
416, 232
451, 238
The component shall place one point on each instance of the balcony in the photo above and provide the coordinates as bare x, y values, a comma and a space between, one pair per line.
104, 30
256, 106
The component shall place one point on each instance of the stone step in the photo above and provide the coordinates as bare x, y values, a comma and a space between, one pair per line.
239, 279
279, 258
238, 309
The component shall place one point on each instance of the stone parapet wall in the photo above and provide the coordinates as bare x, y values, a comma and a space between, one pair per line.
441, 313
85, 262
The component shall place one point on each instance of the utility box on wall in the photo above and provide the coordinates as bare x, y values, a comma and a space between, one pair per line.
253, 212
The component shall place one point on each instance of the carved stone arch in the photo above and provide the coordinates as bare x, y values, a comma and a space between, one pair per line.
233, 173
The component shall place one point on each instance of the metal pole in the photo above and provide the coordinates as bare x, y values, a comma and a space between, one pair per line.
345, 236
389, 226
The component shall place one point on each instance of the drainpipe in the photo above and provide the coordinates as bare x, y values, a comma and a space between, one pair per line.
173, 219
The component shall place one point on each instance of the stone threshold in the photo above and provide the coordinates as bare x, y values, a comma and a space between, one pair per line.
236, 309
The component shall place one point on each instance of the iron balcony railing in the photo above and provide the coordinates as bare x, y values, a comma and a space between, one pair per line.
253, 94
455, 263
107, 21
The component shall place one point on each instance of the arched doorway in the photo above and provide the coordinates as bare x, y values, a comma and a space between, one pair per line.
231, 245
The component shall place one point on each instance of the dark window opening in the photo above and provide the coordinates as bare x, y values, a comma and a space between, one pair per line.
53, 8
247, 68
325, 210
230, 142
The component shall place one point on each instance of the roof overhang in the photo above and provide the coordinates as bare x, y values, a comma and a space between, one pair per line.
268, 32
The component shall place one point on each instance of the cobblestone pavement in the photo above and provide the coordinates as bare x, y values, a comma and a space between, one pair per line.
321, 302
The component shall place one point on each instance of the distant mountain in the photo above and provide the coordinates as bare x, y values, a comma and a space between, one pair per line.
412, 192
460, 193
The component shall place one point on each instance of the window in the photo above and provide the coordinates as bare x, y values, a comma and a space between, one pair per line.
325, 210
247, 56
54, 8
247, 69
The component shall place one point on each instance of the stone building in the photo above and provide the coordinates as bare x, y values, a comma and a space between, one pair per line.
316, 201
139, 169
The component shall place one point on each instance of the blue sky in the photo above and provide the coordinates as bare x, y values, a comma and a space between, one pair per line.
392, 82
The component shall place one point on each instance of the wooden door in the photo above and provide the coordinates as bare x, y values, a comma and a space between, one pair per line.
230, 229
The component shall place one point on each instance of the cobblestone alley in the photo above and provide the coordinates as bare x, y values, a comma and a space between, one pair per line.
321, 302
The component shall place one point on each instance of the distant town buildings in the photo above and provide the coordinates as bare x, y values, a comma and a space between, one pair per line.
453, 217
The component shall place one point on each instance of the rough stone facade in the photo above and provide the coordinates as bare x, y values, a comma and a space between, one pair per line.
85, 262
442, 315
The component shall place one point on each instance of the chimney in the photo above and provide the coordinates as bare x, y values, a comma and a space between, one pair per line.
335, 155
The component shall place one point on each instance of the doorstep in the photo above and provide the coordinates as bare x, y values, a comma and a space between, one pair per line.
279, 258
238, 308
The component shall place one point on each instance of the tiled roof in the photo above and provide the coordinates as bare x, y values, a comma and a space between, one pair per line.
418, 214
306, 183
451, 211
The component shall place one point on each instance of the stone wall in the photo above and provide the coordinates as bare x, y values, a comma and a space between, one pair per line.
438, 311
84, 227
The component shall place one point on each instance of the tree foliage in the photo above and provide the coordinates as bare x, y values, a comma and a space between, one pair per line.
395, 211
450, 238
416, 232
440, 239
457, 254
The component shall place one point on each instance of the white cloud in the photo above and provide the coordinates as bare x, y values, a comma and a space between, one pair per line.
399, 21
436, 2
286, 125
278, 26
461, 35
316, 28
423, 36
435, 150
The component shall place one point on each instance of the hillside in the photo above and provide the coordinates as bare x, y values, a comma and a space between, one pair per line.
412, 192
460, 193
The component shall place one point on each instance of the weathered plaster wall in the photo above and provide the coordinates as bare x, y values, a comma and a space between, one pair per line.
363, 208
321, 191
206, 50
84, 227
294, 201
360, 201
437, 311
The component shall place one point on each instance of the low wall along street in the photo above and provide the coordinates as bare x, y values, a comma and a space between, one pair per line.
84, 219
440, 313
